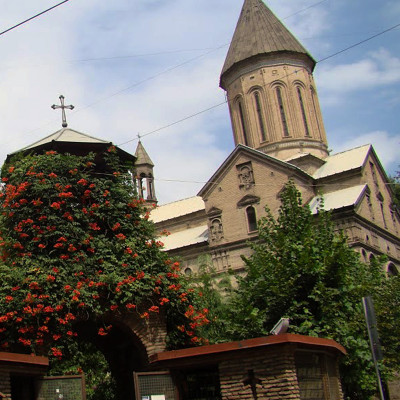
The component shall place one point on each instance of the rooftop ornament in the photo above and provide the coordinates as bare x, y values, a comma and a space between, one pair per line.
63, 107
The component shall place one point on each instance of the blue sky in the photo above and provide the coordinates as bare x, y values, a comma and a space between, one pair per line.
133, 66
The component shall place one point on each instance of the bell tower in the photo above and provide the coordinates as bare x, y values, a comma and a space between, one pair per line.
271, 92
144, 179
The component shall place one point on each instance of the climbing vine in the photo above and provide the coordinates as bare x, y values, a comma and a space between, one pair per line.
75, 245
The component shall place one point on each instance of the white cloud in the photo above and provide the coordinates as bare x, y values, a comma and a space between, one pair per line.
39, 63
378, 69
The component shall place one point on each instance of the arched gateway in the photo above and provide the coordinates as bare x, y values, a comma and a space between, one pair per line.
128, 347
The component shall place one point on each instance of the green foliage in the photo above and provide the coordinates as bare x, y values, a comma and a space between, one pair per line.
84, 357
387, 304
76, 245
215, 290
303, 270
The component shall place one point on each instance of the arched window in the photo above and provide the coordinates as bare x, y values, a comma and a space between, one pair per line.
303, 111
188, 271
242, 123
314, 100
260, 117
383, 215
392, 270
141, 189
282, 111
364, 254
251, 218
150, 184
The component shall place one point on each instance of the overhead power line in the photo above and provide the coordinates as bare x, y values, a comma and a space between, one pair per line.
305, 9
359, 43
189, 61
31, 18
156, 75
287, 75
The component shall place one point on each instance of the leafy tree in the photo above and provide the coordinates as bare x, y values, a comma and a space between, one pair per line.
303, 270
84, 357
387, 304
77, 245
215, 290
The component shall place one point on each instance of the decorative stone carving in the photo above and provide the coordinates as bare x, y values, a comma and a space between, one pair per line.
245, 175
216, 230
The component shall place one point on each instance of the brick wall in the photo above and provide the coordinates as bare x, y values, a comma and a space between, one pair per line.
5, 385
274, 371
151, 332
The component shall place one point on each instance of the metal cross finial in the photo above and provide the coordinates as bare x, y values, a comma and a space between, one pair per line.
63, 107
138, 135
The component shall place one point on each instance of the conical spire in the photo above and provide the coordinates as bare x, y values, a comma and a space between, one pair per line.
259, 32
142, 158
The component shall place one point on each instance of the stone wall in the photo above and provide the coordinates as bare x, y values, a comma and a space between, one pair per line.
394, 389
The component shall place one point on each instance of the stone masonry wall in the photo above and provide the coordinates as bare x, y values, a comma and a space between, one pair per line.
274, 373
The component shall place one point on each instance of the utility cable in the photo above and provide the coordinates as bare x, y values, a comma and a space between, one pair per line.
31, 18
149, 79
286, 76
359, 43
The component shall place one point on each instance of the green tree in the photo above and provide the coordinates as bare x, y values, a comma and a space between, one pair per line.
215, 290
76, 244
303, 270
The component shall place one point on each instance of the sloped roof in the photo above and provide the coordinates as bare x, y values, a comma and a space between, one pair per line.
73, 141
259, 31
142, 158
177, 209
187, 237
66, 135
344, 161
339, 198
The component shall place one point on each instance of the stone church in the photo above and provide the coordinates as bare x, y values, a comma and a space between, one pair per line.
279, 135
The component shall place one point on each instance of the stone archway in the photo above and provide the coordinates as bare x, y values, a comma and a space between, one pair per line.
127, 347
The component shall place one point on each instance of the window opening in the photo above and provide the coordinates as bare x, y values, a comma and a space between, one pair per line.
364, 254
315, 111
392, 270
303, 111
251, 218
373, 173
260, 116
383, 215
151, 187
282, 111
368, 196
140, 186
241, 114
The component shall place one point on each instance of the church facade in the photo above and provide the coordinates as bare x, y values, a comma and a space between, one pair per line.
279, 135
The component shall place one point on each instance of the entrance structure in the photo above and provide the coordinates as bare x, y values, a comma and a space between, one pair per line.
18, 373
71, 245
278, 367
